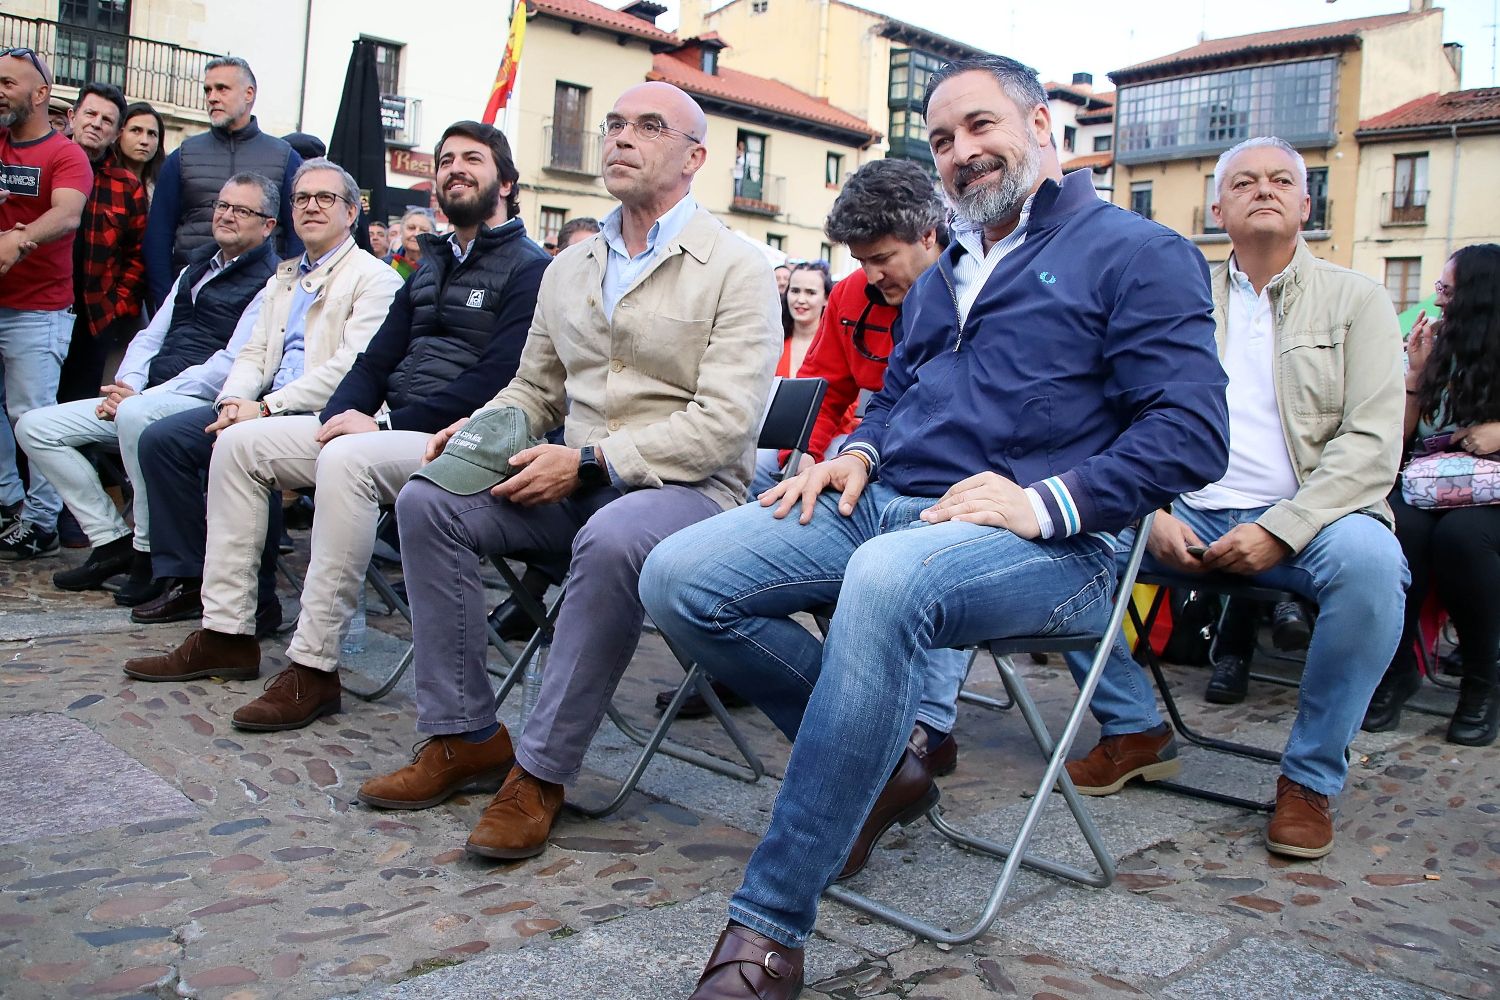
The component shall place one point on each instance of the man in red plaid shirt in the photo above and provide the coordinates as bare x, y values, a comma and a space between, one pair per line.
109, 271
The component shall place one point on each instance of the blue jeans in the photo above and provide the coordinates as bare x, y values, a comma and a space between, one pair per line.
33, 344
1353, 569
724, 591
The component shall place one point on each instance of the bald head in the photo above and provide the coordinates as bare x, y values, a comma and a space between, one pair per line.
679, 110
653, 146
25, 83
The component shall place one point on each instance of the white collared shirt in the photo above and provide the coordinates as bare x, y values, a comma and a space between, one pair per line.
972, 269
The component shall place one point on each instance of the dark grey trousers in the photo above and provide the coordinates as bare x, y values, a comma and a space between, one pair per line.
443, 540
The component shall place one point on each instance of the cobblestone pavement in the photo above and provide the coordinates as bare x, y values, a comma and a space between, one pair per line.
148, 849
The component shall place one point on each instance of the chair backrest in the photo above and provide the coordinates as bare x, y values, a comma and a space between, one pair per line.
789, 418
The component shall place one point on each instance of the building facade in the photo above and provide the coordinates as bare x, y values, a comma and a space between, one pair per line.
1083, 127
1426, 188
777, 157
1311, 85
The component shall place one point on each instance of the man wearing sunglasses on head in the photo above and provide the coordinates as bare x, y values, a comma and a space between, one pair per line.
45, 180
319, 312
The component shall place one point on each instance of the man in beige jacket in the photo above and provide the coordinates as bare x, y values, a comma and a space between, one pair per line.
1313, 354
653, 346
319, 312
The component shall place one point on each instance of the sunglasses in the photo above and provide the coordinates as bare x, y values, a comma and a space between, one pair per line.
862, 326
31, 56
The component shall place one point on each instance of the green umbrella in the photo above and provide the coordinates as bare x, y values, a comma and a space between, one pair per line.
1427, 305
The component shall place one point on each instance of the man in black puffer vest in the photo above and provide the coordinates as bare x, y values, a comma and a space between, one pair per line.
178, 362
452, 338
182, 207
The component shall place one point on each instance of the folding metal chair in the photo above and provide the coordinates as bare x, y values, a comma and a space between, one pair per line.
1016, 853
787, 425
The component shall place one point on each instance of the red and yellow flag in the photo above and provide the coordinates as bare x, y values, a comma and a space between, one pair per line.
505, 78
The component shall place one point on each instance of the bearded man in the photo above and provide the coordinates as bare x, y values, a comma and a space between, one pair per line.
452, 338
1056, 379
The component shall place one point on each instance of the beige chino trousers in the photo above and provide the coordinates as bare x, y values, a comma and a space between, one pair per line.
354, 475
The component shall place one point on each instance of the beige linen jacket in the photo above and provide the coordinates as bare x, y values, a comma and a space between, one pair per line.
1338, 388
673, 387
353, 292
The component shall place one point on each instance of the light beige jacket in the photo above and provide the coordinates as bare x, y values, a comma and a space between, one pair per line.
672, 388
1338, 388
353, 292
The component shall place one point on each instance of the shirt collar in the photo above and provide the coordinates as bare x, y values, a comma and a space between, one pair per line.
970, 235
662, 231
307, 267
1241, 281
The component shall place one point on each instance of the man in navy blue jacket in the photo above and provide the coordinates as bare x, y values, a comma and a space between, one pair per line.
452, 337
1056, 379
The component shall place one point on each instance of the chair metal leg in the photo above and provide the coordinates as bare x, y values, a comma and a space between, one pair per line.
984, 700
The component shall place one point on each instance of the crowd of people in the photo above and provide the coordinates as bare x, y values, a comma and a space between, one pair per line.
1016, 374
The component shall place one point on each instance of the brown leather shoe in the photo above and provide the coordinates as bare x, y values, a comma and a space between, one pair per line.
440, 767
293, 699
1150, 756
180, 602
746, 966
1302, 825
518, 819
203, 653
907, 796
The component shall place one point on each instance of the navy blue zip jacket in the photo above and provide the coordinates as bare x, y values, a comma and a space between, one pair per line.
1087, 370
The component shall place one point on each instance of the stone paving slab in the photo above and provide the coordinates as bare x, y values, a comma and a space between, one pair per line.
1258, 969
63, 780
18, 626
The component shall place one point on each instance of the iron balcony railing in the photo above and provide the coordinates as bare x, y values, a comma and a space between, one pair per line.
1403, 208
572, 150
145, 70
758, 194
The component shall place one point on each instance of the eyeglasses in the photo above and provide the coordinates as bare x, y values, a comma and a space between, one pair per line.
324, 199
646, 128
30, 55
240, 212
1443, 288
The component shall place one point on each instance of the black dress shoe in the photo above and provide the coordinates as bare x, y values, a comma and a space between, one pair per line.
511, 621
107, 560
1476, 719
180, 601
908, 795
694, 706
268, 619
1399, 683
1290, 628
746, 966
140, 588
1230, 681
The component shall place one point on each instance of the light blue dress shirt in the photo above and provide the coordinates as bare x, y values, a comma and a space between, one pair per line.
620, 269
293, 351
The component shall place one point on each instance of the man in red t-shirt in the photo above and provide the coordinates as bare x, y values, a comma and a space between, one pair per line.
45, 180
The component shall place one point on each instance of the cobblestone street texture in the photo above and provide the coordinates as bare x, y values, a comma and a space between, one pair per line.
148, 849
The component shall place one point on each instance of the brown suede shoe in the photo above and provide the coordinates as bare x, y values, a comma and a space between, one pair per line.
1150, 756
907, 796
293, 699
1302, 825
518, 819
746, 966
203, 653
440, 767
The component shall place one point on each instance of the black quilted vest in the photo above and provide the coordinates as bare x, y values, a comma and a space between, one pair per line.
201, 328
207, 161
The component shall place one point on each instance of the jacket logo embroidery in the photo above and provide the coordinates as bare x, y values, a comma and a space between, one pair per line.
1046, 277
476, 299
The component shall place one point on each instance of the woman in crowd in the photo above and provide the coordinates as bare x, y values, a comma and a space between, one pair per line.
408, 256
1453, 387
140, 144
807, 290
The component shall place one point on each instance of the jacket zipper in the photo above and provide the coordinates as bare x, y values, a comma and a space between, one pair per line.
952, 294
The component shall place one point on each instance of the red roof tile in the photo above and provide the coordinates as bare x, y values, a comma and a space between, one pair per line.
756, 91
1092, 161
1244, 44
600, 16
1454, 108
1082, 93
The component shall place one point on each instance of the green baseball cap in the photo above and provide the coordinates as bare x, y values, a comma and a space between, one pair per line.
478, 456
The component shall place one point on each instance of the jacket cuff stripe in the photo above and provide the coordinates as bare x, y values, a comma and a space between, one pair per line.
1065, 516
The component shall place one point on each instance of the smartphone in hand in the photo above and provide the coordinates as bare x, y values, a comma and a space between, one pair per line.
1197, 551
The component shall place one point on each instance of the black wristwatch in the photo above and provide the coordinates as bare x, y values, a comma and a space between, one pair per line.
591, 471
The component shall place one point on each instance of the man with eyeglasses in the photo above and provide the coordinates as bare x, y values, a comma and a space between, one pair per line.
319, 313
453, 335
45, 180
178, 362
182, 205
652, 347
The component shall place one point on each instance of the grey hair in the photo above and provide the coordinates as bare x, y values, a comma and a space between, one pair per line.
423, 212
219, 62
1259, 142
351, 186
885, 198
1018, 80
270, 194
